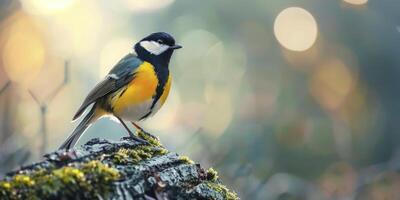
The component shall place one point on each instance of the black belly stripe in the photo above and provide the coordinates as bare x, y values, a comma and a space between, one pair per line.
162, 74
145, 116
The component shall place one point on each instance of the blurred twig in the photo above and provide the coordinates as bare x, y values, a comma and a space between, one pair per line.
4, 88
43, 105
61, 85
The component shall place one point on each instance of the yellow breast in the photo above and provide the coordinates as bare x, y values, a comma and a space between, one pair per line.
141, 89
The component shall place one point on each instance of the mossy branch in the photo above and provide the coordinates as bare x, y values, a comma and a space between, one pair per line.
125, 169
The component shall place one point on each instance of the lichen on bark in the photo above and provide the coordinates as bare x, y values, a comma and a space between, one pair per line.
124, 169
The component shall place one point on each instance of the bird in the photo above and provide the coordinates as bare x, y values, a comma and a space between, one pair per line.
133, 90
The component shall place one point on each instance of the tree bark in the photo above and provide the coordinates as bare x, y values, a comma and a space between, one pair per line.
125, 169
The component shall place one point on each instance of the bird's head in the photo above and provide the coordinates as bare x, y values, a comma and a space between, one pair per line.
156, 46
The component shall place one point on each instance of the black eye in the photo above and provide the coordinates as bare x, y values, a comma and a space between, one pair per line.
160, 41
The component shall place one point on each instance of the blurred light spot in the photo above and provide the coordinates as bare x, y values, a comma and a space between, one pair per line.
213, 62
331, 83
76, 31
46, 6
356, 2
304, 61
24, 49
338, 181
224, 66
147, 5
398, 28
219, 111
196, 43
112, 52
165, 118
295, 29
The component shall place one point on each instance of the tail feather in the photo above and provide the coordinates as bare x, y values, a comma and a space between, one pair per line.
79, 130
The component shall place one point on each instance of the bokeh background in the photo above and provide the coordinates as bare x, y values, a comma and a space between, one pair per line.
287, 99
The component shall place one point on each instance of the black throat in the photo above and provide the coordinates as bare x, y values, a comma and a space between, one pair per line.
161, 64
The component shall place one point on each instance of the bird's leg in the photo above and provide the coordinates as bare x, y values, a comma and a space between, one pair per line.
133, 136
126, 127
143, 131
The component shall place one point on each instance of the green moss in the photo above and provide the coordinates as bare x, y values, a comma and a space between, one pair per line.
120, 157
186, 159
5, 185
160, 151
153, 140
228, 195
103, 171
20, 182
135, 155
88, 180
212, 175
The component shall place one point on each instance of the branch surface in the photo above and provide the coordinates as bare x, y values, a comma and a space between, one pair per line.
125, 169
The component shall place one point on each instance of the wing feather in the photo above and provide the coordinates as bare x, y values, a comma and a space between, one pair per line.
120, 75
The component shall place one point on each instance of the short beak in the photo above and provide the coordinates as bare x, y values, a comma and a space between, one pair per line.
175, 47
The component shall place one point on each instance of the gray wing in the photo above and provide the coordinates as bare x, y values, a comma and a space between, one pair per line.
120, 75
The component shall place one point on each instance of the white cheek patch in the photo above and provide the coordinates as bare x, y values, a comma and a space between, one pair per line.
154, 47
